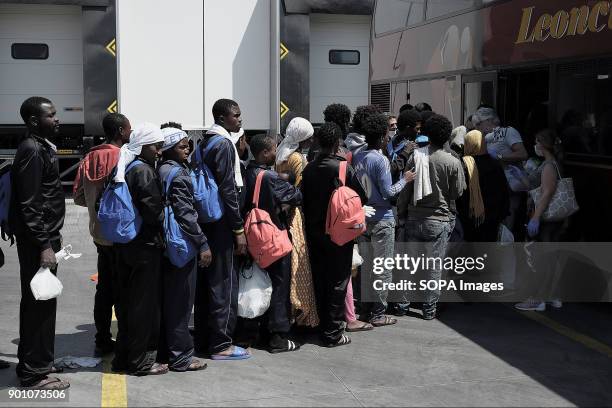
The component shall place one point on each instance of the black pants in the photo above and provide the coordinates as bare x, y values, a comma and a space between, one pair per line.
178, 288
277, 316
105, 294
138, 318
36, 317
216, 299
331, 270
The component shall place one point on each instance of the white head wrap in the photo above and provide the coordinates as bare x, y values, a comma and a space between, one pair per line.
171, 137
142, 135
298, 130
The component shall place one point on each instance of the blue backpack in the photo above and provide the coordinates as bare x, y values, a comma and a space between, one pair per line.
208, 203
5, 202
179, 248
119, 220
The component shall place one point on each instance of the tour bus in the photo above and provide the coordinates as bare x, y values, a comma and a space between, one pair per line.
540, 63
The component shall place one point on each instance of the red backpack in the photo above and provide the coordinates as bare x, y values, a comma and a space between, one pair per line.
265, 242
345, 215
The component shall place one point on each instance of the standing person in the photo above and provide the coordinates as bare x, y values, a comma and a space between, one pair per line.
179, 282
400, 147
547, 177
339, 114
291, 159
274, 193
298, 137
216, 302
429, 217
392, 125
36, 218
92, 174
355, 141
373, 170
139, 261
486, 206
423, 107
331, 264
505, 144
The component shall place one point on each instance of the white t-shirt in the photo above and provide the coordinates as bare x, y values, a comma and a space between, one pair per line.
501, 139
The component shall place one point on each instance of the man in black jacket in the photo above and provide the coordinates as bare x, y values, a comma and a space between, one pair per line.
179, 282
139, 261
408, 126
216, 302
330, 263
274, 193
37, 216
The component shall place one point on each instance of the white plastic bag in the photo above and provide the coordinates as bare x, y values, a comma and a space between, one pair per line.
357, 259
254, 291
44, 284
504, 235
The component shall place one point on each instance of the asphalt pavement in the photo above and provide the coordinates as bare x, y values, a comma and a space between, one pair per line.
480, 354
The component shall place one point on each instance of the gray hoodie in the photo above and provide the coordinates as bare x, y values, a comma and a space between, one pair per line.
355, 142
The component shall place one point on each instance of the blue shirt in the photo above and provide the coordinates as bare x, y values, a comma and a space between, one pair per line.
374, 172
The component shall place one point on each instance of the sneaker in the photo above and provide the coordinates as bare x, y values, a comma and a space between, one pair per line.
531, 305
555, 303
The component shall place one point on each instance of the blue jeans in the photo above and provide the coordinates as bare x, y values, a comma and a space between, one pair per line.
381, 236
436, 233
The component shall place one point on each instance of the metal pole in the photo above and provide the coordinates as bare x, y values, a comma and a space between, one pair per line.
274, 67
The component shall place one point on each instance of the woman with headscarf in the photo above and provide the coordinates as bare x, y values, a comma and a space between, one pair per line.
179, 282
487, 202
139, 261
289, 159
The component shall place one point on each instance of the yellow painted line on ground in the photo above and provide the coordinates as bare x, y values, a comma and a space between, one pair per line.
570, 333
114, 386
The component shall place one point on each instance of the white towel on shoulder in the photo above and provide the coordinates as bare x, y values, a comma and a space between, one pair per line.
422, 182
220, 130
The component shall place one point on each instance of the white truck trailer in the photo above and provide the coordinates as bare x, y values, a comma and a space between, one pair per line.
159, 61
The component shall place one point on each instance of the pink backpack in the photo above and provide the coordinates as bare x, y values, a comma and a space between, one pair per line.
345, 215
265, 242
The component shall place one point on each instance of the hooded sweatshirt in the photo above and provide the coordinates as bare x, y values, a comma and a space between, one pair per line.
355, 143
89, 183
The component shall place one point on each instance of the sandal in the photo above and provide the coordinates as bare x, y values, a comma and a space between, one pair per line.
342, 341
287, 346
383, 321
156, 369
49, 383
197, 365
364, 326
238, 353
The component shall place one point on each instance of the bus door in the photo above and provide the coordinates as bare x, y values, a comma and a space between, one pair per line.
476, 90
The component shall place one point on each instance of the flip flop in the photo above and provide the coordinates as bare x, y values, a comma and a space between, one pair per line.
383, 321
197, 365
363, 327
238, 353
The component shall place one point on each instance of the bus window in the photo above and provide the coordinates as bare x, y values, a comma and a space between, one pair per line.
438, 8
392, 15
